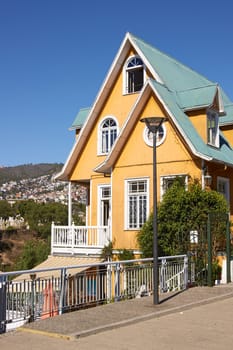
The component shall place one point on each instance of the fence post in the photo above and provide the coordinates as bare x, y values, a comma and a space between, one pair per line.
52, 237
117, 282
185, 272
163, 284
2, 304
63, 291
109, 282
209, 239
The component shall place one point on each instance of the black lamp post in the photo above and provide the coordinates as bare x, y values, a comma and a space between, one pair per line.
153, 124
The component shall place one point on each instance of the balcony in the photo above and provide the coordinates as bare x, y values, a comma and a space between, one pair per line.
85, 240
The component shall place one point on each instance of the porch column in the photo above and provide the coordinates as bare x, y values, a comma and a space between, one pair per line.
69, 204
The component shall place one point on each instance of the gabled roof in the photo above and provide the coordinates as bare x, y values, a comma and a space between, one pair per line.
182, 123
179, 88
199, 97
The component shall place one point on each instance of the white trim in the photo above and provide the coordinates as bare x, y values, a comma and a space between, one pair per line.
182, 132
125, 75
91, 189
99, 201
126, 195
171, 176
149, 142
123, 134
212, 112
145, 61
69, 203
99, 133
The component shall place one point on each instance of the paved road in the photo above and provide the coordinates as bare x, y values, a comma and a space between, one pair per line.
199, 326
204, 327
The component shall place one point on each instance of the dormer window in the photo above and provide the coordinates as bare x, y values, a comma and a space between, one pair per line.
108, 130
213, 128
133, 75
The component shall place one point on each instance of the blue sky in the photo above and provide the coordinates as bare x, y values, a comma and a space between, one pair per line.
55, 54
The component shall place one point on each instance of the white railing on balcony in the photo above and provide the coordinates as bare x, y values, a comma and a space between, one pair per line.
79, 239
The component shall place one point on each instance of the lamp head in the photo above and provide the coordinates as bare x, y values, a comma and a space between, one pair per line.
153, 123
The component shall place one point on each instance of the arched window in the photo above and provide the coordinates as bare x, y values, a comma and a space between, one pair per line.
133, 75
107, 135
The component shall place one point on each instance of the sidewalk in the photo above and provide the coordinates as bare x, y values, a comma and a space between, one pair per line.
198, 318
97, 319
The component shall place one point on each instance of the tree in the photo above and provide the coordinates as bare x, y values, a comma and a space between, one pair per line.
180, 212
5, 210
39, 216
34, 252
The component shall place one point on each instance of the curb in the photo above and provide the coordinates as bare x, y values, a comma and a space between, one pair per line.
126, 322
149, 316
47, 334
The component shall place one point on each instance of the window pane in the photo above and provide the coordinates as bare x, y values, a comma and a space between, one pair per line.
106, 192
132, 212
138, 79
137, 203
105, 141
109, 134
142, 210
212, 125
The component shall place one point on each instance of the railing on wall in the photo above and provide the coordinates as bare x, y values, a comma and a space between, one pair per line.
26, 296
75, 239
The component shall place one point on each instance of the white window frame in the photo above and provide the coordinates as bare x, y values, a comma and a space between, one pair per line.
226, 184
100, 134
100, 202
137, 194
160, 136
213, 128
171, 177
126, 69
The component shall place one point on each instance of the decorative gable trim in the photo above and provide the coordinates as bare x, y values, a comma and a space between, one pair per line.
112, 74
107, 165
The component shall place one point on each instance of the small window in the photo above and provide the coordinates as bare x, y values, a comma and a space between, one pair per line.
134, 75
212, 128
167, 181
108, 131
160, 136
137, 197
223, 187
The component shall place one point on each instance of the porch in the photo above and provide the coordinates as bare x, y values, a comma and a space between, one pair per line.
71, 239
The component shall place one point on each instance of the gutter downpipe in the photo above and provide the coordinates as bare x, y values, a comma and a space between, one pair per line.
202, 174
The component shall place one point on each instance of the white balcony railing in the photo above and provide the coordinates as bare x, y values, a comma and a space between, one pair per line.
79, 239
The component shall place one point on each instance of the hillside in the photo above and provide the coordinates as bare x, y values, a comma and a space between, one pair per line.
27, 171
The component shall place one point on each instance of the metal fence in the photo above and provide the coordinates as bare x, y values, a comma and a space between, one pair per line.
26, 296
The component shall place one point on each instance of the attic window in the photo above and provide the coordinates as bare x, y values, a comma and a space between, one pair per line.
108, 130
133, 75
213, 128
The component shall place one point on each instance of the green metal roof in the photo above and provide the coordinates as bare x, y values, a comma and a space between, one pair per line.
228, 118
174, 74
223, 154
197, 97
80, 118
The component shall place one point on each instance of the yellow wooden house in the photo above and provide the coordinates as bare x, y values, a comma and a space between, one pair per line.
112, 153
